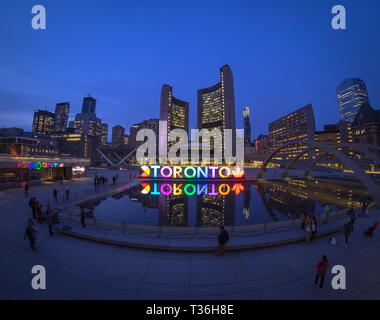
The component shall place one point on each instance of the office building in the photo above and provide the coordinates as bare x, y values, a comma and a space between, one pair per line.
118, 133
43, 122
62, 111
175, 113
247, 127
351, 94
216, 107
89, 105
104, 135
296, 126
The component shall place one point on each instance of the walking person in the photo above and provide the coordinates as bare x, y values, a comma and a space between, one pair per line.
322, 268
82, 217
32, 205
26, 188
223, 238
55, 195
38, 209
49, 217
67, 193
31, 233
352, 216
347, 231
95, 184
113, 180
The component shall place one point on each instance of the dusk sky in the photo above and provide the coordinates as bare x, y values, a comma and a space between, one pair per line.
283, 55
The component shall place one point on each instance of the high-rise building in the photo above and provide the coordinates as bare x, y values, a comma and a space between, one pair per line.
216, 106
104, 136
61, 116
88, 123
43, 122
351, 94
247, 127
296, 126
176, 114
118, 133
89, 105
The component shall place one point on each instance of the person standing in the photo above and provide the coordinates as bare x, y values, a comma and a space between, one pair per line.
347, 231
30, 232
32, 204
55, 195
82, 217
49, 217
38, 209
223, 238
67, 193
26, 188
322, 268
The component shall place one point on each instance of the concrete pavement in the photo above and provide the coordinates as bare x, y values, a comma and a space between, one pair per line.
80, 269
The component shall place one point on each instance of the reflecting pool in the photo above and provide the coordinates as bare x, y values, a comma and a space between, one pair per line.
162, 203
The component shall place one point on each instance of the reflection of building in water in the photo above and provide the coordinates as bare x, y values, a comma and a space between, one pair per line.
247, 200
291, 198
347, 194
173, 210
147, 200
216, 210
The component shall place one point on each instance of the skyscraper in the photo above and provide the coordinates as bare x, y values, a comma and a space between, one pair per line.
351, 94
89, 105
43, 122
104, 135
61, 116
216, 106
247, 127
296, 126
176, 114
118, 133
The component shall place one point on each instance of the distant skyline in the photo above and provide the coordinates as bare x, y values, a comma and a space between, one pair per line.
283, 55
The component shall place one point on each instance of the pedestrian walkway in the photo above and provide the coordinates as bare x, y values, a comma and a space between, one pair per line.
80, 269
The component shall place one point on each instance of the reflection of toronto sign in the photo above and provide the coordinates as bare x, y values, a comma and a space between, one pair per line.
168, 172
191, 189
38, 165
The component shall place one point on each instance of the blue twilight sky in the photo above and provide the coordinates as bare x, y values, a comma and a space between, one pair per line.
284, 54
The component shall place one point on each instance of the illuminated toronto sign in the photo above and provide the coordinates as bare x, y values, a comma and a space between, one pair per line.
191, 189
168, 172
32, 165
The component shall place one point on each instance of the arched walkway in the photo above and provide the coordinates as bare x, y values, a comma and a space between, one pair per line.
356, 147
371, 186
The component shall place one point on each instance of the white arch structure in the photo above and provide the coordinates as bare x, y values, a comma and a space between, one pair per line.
371, 186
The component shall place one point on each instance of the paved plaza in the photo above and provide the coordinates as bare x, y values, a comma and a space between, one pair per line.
80, 269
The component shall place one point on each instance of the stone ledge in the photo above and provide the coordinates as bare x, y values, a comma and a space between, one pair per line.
190, 245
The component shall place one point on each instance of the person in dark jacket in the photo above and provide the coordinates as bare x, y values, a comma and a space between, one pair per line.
322, 268
347, 231
26, 188
82, 217
32, 204
223, 238
49, 217
30, 232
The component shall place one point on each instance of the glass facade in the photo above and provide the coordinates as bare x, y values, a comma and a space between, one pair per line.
351, 94
61, 116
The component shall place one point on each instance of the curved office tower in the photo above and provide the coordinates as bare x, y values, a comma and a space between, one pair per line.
174, 113
216, 106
